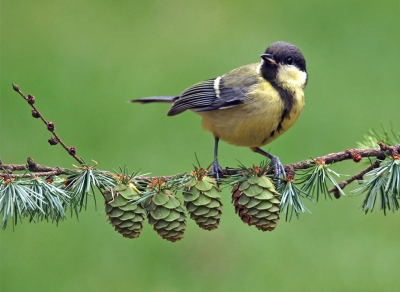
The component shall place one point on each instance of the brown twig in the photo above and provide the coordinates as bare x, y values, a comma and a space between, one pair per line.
358, 176
50, 125
305, 164
340, 156
388, 150
38, 174
393, 151
32, 166
45, 171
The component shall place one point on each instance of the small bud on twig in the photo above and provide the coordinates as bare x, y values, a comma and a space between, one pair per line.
72, 151
354, 155
35, 114
53, 141
50, 126
336, 193
31, 162
341, 185
357, 158
383, 146
31, 99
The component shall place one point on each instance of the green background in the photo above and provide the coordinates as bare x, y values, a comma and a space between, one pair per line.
84, 59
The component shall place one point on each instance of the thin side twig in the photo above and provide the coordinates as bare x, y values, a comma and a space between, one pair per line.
385, 149
16, 88
358, 176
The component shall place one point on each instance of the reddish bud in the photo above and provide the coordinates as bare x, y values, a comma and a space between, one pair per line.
35, 114
15, 87
357, 157
53, 141
354, 155
50, 126
31, 99
72, 151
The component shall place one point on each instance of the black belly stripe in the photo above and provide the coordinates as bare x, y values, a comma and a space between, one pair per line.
288, 102
285, 114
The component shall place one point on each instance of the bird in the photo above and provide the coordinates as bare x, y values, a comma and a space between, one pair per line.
251, 105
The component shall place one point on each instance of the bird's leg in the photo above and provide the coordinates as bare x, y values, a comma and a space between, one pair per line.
278, 167
217, 169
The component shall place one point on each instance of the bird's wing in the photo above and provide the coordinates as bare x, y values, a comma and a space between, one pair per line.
217, 93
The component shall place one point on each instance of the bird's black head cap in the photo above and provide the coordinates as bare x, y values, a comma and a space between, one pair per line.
281, 53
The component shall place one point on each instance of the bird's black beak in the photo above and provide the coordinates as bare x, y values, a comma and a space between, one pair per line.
269, 58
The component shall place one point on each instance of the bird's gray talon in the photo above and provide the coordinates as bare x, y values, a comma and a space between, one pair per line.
216, 169
278, 170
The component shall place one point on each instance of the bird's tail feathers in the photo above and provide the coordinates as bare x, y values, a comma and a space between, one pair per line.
169, 98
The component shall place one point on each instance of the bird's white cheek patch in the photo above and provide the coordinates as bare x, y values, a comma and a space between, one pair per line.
290, 76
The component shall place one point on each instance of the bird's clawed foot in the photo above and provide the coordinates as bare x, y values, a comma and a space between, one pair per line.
278, 169
216, 169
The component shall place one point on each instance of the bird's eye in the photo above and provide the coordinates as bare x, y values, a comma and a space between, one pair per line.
289, 60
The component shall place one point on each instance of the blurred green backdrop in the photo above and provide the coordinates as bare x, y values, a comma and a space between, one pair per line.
83, 60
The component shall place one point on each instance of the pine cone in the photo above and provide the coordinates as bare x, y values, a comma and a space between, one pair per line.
202, 201
127, 218
167, 216
256, 202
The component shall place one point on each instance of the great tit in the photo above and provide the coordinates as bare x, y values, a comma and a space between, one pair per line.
249, 106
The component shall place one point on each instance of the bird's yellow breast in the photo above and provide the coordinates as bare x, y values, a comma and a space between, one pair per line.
258, 120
